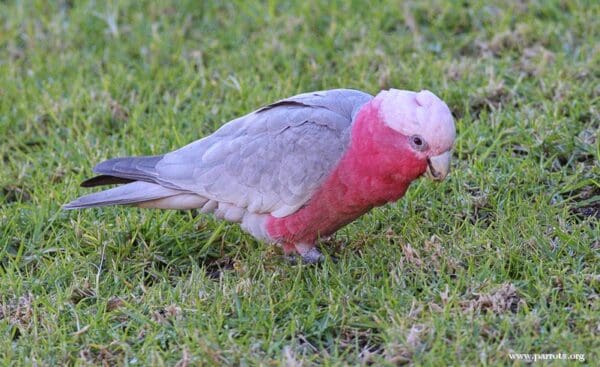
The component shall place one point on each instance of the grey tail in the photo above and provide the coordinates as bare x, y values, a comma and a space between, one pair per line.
138, 174
131, 193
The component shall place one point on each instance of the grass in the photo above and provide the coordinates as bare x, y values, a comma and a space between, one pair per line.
502, 257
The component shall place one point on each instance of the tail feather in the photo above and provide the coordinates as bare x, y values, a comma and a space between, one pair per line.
131, 193
132, 168
102, 180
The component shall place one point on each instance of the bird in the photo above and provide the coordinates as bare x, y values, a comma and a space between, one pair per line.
294, 171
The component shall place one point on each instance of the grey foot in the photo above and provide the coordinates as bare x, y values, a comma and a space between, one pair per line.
312, 256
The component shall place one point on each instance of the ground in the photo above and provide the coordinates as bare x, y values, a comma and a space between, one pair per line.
502, 257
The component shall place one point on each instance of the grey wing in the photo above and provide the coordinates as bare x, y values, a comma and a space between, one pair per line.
270, 161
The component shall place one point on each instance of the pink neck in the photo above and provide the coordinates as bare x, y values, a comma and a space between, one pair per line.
377, 152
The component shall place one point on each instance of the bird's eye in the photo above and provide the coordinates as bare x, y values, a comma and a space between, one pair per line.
418, 142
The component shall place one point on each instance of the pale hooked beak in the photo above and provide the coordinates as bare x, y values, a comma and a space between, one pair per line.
438, 166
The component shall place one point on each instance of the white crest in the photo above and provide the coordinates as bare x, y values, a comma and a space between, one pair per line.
422, 113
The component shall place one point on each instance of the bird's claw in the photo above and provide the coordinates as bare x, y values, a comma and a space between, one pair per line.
312, 256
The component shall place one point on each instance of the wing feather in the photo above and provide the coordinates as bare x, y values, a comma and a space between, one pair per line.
270, 161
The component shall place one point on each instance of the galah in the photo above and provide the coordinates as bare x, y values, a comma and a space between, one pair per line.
295, 170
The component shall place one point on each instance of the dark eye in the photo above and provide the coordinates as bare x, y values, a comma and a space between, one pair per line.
418, 142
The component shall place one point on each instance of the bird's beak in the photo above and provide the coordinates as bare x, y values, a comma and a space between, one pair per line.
438, 166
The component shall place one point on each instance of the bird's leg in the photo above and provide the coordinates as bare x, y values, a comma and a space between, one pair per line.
313, 256
309, 253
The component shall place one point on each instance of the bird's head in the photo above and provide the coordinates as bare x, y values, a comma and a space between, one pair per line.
426, 123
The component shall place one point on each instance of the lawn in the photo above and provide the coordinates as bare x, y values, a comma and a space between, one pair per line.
502, 257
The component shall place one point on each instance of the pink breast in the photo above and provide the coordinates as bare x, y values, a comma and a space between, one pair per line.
377, 168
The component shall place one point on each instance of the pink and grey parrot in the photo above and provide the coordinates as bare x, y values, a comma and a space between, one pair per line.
296, 170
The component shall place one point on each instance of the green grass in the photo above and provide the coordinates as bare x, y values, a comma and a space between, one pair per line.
502, 257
